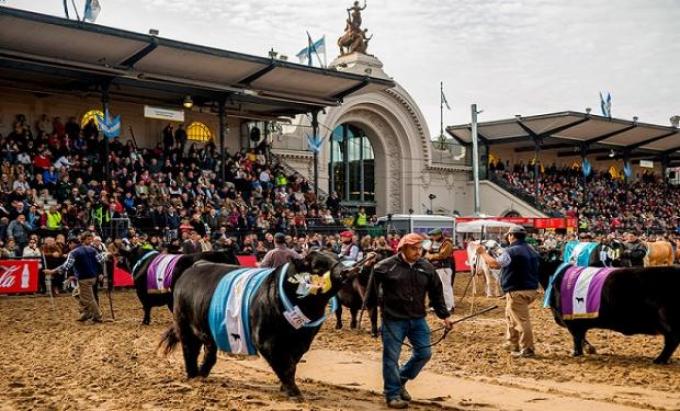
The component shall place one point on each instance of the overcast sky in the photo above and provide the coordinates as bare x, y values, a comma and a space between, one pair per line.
508, 56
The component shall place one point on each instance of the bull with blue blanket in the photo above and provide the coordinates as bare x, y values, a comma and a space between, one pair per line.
273, 312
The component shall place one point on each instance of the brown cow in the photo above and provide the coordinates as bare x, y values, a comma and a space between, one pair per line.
659, 253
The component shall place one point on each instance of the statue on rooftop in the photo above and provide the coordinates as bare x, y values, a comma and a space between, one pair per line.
355, 38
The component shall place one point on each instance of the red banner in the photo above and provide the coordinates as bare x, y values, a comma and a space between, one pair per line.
461, 260
19, 276
247, 260
540, 223
121, 278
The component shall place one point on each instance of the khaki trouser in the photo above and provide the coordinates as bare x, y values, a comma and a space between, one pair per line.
446, 275
517, 317
88, 305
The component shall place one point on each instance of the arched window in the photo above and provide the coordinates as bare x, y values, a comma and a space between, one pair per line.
352, 166
91, 115
198, 131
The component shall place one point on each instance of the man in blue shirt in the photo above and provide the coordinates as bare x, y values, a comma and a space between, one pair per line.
85, 262
519, 280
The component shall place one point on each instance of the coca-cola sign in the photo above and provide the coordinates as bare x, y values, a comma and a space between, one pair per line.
18, 276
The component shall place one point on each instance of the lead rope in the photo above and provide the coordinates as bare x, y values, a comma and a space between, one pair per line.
446, 331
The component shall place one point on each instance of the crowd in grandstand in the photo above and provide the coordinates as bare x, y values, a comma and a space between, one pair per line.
604, 203
53, 184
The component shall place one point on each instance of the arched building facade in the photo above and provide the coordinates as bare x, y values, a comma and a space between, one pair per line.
395, 160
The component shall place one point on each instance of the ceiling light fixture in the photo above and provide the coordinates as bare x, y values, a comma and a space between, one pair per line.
188, 103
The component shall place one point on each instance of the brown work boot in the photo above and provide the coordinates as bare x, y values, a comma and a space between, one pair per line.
397, 403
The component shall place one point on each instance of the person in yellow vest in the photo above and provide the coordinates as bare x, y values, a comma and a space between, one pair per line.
360, 222
53, 219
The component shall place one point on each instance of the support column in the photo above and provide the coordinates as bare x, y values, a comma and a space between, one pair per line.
537, 168
665, 161
222, 121
345, 160
361, 169
475, 159
105, 108
315, 134
584, 152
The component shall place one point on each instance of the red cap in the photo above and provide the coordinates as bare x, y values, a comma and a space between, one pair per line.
410, 239
347, 234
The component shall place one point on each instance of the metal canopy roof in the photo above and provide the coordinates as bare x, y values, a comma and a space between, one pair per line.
47, 53
588, 133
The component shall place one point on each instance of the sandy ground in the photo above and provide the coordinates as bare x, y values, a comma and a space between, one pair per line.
50, 362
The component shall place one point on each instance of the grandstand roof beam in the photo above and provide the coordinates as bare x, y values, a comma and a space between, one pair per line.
610, 134
341, 95
546, 147
134, 59
564, 127
651, 140
258, 74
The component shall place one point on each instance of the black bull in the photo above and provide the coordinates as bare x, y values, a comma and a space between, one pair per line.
634, 301
275, 339
150, 300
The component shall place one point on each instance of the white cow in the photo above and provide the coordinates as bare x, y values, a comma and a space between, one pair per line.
491, 276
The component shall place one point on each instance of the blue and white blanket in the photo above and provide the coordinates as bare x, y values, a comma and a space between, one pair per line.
228, 316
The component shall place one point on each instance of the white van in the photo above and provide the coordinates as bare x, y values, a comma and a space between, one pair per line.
418, 223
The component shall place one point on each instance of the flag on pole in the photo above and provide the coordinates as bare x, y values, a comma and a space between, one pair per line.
627, 169
313, 47
92, 9
446, 103
109, 126
587, 168
315, 143
606, 104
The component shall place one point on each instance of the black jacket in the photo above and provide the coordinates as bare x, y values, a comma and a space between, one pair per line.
402, 289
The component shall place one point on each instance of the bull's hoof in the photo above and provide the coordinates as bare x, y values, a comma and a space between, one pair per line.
353, 326
146, 322
591, 350
338, 326
662, 361
374, 334
577, 354
292, 392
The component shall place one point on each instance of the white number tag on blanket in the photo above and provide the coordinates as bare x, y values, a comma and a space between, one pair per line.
296, 318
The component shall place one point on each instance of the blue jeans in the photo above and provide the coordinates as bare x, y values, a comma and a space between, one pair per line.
393, 334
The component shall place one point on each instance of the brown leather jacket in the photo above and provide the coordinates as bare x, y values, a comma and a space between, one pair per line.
441, 257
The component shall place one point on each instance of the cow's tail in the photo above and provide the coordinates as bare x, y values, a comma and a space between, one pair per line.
169, 340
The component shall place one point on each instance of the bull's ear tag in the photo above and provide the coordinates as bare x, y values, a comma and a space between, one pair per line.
327, 284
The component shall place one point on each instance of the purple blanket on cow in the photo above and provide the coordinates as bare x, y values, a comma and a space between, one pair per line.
581, 291
159, 273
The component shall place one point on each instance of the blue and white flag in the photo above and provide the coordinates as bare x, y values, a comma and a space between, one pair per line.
92, 9
109, 126
587, 168
606, 104
446, 103
313, 47
315, 143
627, 169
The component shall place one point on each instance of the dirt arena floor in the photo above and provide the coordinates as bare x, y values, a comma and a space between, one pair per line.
48, 361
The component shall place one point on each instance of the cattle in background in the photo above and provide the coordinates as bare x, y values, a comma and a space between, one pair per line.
479, 267
154, 288
278, 313
352, 295
633, 301
659, 253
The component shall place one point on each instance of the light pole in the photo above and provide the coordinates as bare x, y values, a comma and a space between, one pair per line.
475, 157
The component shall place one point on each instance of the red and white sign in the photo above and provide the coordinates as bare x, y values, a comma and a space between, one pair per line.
540, 223
460, 257
19, 276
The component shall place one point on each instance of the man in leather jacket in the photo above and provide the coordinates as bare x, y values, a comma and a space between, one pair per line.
440, 255
403, 281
